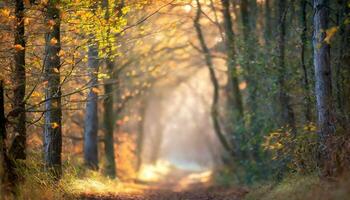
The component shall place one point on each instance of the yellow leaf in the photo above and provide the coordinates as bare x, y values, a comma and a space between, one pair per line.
18, 47
53, 41
330, 33
44, 2
55, 125
5, 12
56, 70
61, 53
36, 94
125, 10
26, 21
76, 54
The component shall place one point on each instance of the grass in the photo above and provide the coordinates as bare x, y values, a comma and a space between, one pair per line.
297, 187
75, 182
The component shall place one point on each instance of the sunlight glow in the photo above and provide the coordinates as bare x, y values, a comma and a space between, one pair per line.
103, 186
194, 178
154, 172
243, 85
187, 8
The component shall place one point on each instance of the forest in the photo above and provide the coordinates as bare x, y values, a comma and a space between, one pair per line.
175, 99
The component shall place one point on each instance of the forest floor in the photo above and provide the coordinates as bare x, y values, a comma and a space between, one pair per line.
177, 185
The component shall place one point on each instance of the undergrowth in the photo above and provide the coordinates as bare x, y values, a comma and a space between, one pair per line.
36, 184
297, 187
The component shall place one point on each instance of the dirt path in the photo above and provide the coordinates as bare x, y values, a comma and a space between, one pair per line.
178, 185
191, 194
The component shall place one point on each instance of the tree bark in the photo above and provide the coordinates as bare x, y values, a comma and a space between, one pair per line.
215, 83
323, 77
53, 110
234, 94
18, 147
303, 48
342, 65
140, 135
108, 119
268, 24
250, 45
287, 112
3, 149
91, 116
108, 122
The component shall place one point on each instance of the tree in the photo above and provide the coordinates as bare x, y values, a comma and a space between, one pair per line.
323, 76
18, 147
249, 51
235, 96
342, 63
108, 113
91, 116
3, 154
214, 81
53, 109
303, 37
140, 132
287, 112
268, 23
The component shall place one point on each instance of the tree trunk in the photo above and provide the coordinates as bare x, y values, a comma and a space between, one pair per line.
3, 153
8, 175
108, 119
248, 8
156, 146
91, 116
250, 48
234, 94
108, 122
18, 147
53, 110
268, 24
2, 140
323, 78
342, 65
287, 112
209, 63
140, 135
303, 37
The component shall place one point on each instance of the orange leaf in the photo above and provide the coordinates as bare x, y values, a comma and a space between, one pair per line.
5, 12
95, 90
61, 53
18, 47
36, 94
26, 21
330, 33
27, 2
51, 22
53, 41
